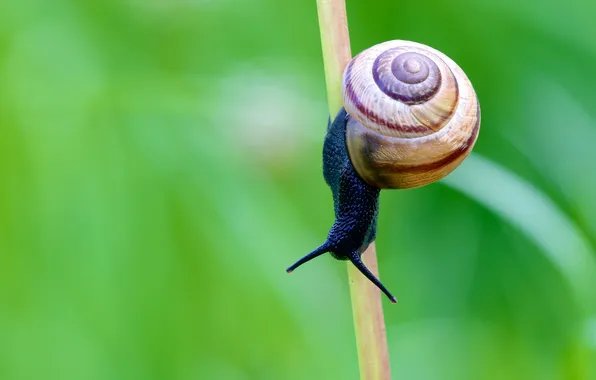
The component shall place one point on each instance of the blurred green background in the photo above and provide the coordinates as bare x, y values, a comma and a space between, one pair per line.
160, 166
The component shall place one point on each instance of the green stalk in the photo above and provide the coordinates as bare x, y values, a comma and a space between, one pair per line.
369, 322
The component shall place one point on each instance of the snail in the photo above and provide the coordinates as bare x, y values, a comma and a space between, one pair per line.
410, 117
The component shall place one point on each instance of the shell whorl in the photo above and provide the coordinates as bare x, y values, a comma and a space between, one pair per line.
408, 77
414, 115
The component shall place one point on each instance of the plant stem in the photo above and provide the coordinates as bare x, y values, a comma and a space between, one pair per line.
335, 41
369, 322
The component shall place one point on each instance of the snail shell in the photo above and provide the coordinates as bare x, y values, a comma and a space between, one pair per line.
414, 115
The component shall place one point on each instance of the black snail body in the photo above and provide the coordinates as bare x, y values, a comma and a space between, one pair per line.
410, 117
356, 204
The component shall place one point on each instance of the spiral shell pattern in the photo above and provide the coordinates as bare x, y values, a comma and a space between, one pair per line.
414, 115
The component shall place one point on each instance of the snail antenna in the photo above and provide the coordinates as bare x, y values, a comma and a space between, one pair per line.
324, 248
357, 261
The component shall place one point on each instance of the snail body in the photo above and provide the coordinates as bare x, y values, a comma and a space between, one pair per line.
410, 117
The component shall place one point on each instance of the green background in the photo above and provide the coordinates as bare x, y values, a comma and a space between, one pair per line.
160, 166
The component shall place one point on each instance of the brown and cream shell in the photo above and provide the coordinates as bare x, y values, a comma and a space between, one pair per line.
414, 115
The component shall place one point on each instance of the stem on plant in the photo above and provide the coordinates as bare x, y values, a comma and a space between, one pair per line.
369, 322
